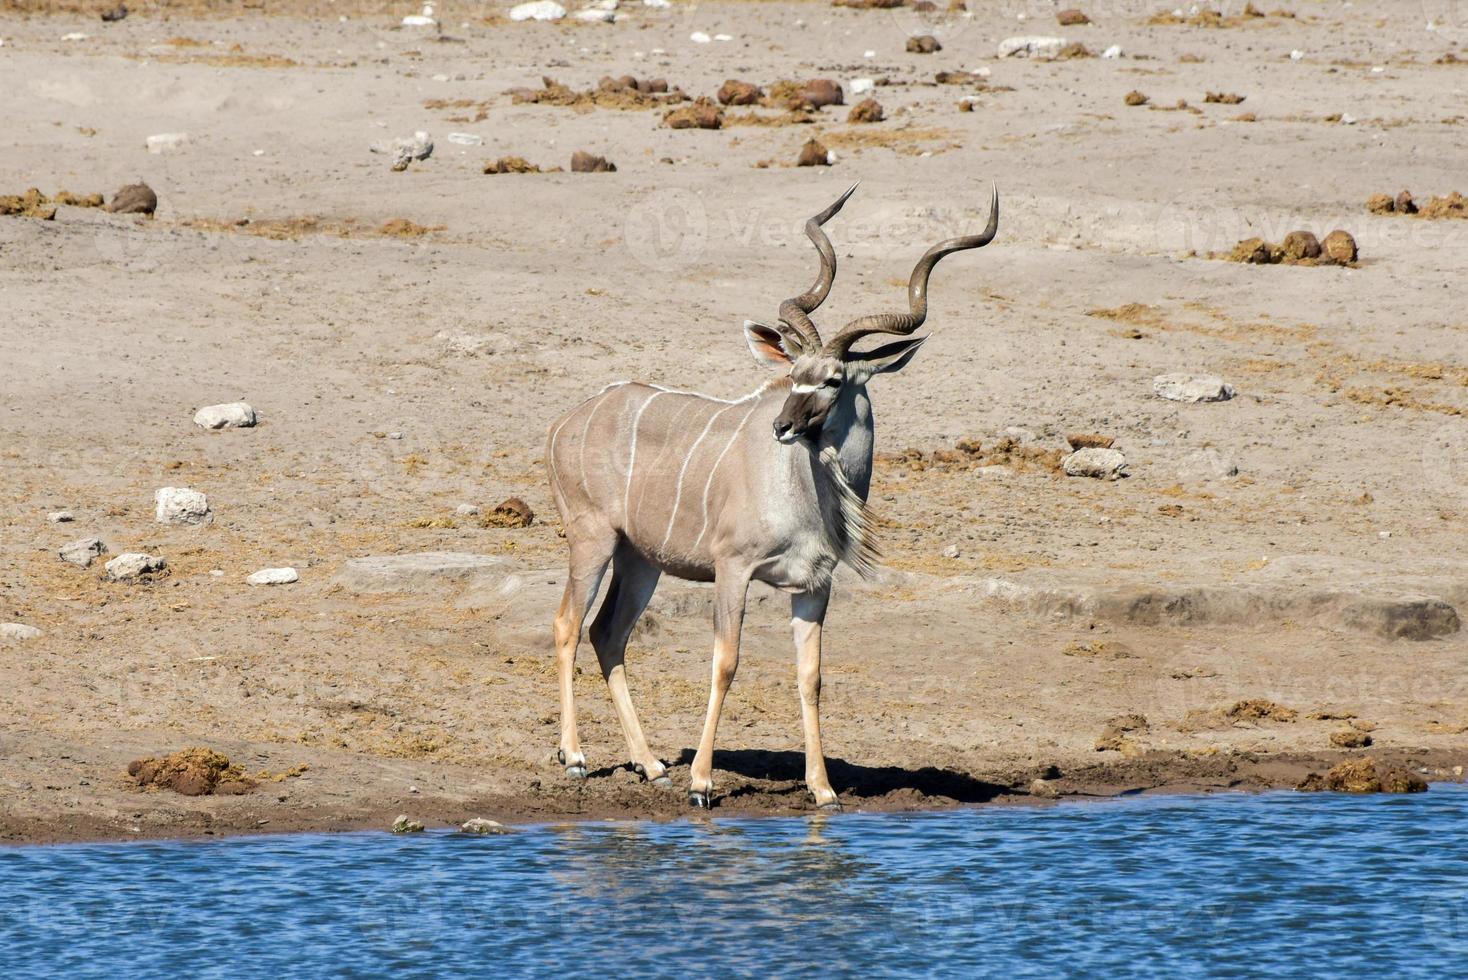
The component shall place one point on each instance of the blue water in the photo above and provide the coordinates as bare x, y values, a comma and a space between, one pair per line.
1281, 884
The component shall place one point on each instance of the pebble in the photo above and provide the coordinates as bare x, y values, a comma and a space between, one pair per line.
180, 505
466, 139
466, 510
660, 4
593, 15
82, 551
1099, 464
1186, 388
699, 37
75, 36
232, 415
273, 576
538, 10
18, 631
132, 564
1296, 55
479, 825
61, 517
860, 85
1112, 53
1031, 46
133, 199
406, 825
163, 142
1207, 464
951, 551
425, 19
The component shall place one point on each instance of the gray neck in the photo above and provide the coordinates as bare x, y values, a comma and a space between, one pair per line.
849, 429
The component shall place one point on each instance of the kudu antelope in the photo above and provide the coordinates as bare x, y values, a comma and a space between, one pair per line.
771, 487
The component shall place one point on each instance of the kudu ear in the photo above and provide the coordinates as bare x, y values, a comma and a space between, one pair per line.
887, 358
770, 345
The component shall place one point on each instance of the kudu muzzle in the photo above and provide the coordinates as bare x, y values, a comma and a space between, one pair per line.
802, 416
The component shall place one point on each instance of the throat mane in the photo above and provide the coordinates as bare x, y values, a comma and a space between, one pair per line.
849, 520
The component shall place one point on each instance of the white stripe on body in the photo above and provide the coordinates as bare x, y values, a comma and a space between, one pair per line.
710, 482
678, 495
632, 461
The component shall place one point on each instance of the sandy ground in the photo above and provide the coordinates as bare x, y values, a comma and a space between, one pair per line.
398, 377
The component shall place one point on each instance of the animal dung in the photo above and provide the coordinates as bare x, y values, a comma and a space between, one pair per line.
587, 163
813, 154
866, 111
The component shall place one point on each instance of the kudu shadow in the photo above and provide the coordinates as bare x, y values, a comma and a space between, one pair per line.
849, 779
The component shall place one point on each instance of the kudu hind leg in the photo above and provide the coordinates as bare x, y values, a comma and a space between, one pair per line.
589, 562
634, 579
730, 589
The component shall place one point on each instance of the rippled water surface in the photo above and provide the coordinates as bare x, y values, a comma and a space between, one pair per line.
1280, 884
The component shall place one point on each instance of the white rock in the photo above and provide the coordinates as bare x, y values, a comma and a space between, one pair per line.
75, 36
273, 576
1112, 53
831, 158
61, 517
479, 825
18, 632
860, 85
418, 20
232, 415
466, 510
1022, 436
180, 505
1031, 46
538, 10
869, 54
699, 37
1296, 54
951, 551
405, 824
1185, 388
593, 16
1099, 464
163, 142
406, 149
660, 4
723, 37
603, 5
81, 551
132, 564
466, 139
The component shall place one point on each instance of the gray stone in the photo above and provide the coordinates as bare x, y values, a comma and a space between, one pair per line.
1099, 464
273, 576
405, 149
233, 415
479, 825
1186, 388
406, 825
1031, 46
82, 551
132, 565
538, 10
19, 632
426, 571
180, 505
466, 510
61, 517
164, 142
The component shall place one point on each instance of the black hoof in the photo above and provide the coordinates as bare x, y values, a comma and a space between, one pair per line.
700, 801
833, 807
576, 772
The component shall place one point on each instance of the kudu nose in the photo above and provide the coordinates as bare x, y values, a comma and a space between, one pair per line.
781, 427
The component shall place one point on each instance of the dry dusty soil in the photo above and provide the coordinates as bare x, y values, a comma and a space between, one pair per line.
1302, 543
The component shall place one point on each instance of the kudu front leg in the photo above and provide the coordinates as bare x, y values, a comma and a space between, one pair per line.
730, 589
807, 614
